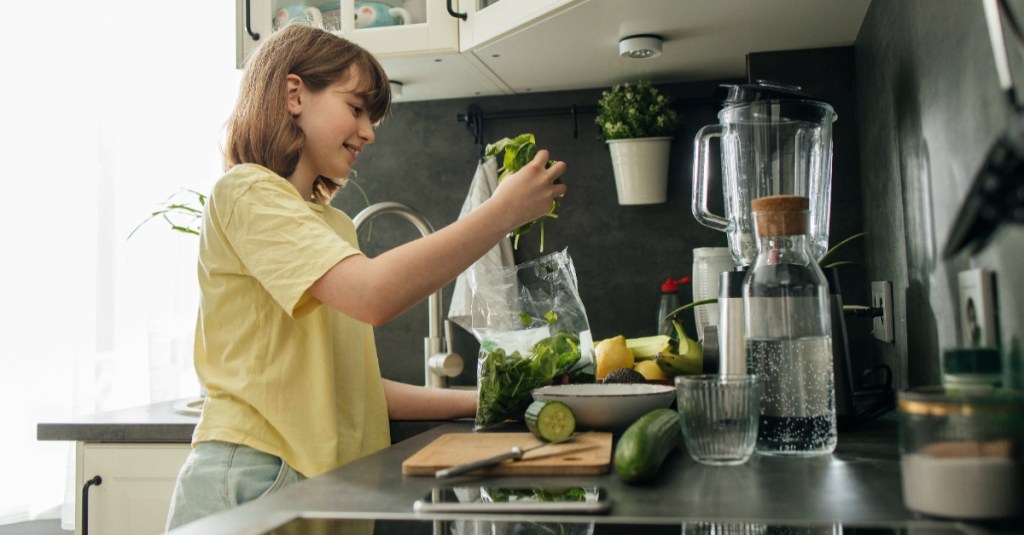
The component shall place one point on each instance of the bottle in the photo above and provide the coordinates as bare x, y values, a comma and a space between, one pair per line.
788, 332
731, 342
669, 301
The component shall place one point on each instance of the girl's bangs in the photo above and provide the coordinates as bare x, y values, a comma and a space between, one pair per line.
374, 88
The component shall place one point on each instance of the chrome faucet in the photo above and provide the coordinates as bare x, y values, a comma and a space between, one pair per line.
439, 361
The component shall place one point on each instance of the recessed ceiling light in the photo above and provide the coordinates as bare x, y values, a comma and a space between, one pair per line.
640, 46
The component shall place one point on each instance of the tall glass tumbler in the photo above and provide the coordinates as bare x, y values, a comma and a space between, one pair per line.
719, 416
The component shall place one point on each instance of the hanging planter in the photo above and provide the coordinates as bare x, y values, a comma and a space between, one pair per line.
638, 122
641, 169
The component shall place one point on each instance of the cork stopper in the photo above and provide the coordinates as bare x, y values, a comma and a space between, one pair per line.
780, 215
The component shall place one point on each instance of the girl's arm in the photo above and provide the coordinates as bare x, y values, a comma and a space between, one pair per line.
375, 290
408, 402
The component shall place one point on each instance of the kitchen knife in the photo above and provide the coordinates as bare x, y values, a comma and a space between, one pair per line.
514, 454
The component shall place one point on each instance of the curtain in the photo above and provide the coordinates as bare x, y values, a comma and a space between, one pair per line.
110, 109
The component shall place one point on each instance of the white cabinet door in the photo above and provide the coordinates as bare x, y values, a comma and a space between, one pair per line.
412, 27
253, 24
487, 20
138, 480
426, 28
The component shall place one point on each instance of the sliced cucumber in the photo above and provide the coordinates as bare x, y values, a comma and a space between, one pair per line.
550, 421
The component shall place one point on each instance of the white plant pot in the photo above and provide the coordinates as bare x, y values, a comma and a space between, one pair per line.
641, 169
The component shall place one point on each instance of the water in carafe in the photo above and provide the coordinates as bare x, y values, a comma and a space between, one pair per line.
787, 326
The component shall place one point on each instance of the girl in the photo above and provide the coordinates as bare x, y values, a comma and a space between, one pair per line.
284, 337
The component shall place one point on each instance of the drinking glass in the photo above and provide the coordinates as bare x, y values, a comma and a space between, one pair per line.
719, 416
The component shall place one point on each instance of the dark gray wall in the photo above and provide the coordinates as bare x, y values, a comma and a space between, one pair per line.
930, 108
424, 158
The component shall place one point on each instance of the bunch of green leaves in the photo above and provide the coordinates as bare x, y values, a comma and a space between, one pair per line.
506, 380
570, 494
519, 151
635, 111
182, 216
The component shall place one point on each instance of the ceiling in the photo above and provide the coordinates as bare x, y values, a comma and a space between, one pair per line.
578, 47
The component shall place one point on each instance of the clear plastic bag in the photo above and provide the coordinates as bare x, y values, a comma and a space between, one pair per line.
532, 328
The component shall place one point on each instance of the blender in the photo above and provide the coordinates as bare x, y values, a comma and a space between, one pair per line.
775, 140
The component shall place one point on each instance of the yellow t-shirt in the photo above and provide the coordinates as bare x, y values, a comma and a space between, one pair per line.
283, 374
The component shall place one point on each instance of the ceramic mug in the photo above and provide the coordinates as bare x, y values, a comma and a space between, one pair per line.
376, 14
298, 13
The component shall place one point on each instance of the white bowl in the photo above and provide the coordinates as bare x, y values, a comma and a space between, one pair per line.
610, 407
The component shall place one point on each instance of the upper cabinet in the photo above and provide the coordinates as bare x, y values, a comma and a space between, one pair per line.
442, 49
395, 28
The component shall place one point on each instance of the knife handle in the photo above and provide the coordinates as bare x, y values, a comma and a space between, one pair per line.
513, 453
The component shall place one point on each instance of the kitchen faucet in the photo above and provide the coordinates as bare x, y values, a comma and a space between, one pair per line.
438, 359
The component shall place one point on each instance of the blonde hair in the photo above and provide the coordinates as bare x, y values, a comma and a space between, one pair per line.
262, 131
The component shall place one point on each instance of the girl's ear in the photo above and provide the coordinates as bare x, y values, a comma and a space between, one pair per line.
293, 90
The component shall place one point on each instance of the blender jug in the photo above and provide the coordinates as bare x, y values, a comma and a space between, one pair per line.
775, 140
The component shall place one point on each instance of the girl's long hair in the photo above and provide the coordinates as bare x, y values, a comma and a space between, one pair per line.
262, 131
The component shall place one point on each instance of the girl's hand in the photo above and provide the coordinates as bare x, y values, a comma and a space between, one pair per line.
530, 192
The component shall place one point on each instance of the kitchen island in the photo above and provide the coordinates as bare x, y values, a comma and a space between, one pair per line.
856, 488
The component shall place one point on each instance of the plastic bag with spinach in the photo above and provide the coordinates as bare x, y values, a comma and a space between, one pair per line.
532, 329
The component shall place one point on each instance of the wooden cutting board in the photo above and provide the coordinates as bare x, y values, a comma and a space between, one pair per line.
586, 454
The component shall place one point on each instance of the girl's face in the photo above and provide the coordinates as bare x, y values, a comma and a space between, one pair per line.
336, 126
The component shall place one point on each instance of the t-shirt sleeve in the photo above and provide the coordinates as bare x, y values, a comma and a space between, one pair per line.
283, 243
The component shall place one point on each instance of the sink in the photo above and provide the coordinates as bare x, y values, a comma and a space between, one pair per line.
189, 407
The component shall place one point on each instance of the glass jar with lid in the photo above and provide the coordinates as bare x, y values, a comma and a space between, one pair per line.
962, 452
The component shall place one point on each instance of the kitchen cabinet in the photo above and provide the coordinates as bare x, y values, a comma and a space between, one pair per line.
427, 56
137, 482
429, 29
518, 46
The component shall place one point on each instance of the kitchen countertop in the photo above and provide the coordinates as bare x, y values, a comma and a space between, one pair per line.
161, 423
858, 486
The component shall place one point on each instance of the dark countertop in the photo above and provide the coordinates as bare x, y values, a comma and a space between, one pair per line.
858, 486
160, 423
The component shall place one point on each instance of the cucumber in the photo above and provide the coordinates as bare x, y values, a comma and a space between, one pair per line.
550, 421
645, 444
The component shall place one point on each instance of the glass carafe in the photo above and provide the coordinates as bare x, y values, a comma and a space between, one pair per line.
774, 141
788, 332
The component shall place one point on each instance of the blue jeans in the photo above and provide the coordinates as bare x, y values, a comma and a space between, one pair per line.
217, 476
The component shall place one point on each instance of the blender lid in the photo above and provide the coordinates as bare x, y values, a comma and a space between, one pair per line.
791, 96
763, 90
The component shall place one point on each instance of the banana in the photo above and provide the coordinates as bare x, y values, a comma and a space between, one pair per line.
674, 364
646, 347
688, 357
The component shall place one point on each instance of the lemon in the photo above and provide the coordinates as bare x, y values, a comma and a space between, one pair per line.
650, 370
612, 354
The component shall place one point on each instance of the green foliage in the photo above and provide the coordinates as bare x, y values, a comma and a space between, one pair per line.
832, 250
182, 216
519, 151
507, 380
635, 111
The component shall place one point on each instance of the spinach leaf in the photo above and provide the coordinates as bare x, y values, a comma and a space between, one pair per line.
507, 380
518, 152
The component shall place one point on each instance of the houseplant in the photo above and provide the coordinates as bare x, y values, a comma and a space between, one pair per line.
638, 122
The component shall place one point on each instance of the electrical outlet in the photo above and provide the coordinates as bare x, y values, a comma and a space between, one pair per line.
881, 299
977, 309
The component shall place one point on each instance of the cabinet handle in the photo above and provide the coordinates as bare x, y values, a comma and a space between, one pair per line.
454, 13
96, 480
248, 27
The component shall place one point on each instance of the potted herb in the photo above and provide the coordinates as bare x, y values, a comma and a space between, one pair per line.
638, 122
